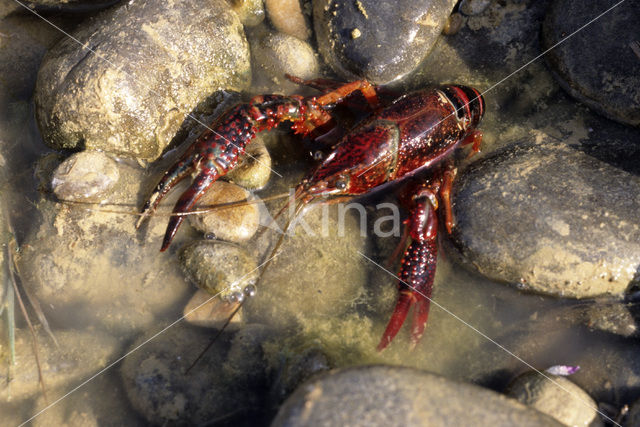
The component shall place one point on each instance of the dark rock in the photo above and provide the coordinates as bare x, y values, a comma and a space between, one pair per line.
131, 95
551, 218
382, 395
378, 41
69, 6
159, 387
599, 66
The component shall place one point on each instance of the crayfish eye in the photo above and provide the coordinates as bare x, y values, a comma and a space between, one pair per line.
341, 184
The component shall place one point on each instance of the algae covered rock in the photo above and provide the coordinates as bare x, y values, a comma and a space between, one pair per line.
130, 86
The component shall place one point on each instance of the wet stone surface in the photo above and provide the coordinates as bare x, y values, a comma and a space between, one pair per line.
85, 176
557, 397
234, 224
84, 102
382, 395
551, 218
290, 16
605, 75
278, 53
378, 41
218, 267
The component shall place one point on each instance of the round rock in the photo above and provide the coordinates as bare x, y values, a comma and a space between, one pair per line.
287, 16
254, 167
378, 41
556, 396
603, 73
550, 218
384, 395
235, 224
159, 387
85, 176
219, 267
132, 91
278, 54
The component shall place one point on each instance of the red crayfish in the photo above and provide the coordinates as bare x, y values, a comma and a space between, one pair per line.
414, 132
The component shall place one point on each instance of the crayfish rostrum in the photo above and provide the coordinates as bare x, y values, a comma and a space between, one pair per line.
414, 132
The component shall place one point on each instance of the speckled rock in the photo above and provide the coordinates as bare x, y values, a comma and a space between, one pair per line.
557, 397
550, 218
250, 12
159, 388
606, 74
288, 17
220, 268
85, 176
383, 395
235, 224
254, 167
131, 95
379, 41
277, 54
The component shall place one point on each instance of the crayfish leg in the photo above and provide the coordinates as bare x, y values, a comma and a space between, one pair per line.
475, 140
337, 95
448, 175
187, 200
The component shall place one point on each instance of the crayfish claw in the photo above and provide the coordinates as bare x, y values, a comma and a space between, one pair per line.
187, 200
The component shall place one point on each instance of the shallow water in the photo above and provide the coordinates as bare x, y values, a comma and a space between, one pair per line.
479, 331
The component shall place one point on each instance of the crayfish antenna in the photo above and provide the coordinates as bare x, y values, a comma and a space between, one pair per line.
216, 336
